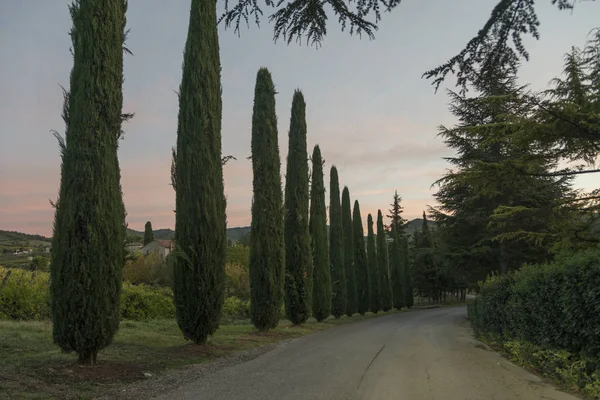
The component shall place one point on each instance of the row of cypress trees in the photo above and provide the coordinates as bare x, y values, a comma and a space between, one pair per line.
293, 256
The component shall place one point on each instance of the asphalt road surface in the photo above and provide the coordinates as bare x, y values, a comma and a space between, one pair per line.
417, 355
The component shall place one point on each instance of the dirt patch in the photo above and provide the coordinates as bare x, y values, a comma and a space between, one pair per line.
198, 351
104, 372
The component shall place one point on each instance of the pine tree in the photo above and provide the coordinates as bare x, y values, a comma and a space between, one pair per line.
321, 283
395, 215
88, 245
408, 286
397, 270
361, 264
267, 251
336, 247
148, 234
349, 249
374, 281
200, 220
385, 289
298, 258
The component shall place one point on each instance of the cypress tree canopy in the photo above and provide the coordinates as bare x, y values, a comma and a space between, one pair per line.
148, 234
361, 265
267, 258
200, 221
298, 258
88, 244
408, 286
336, 249
383, 265
321, 290
374, 281
397, 270
349, 267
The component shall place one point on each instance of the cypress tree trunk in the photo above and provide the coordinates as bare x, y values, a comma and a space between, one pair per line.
397, 269
361, 265
88, 245
349, 267
148, 234
267, 252
336, 247
200, 221
298, 258
321, 288
375, 300
383, 265
407, 289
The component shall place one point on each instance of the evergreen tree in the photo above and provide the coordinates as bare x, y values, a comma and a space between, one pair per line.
321, 282
267, 252
395, 215
408, 286
349, 249
361, 264
200, 220
336, 247
374, 281
88, 245
298, 258
385, 289
397, 270
148, 234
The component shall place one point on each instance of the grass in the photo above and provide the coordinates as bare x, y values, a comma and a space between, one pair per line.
32, 367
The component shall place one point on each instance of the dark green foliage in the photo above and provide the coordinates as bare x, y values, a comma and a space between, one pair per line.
397, 270
385, 287
267, 251
374, 277
148, 234
395, 215
298, 259
554, 306
408, 285
321, 282
200, 220
88, 246
349, 250
336, 247
361, 264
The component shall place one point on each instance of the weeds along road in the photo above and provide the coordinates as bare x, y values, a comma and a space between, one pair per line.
417, 355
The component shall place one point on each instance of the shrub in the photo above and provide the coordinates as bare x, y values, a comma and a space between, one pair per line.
150, 270
234, 308
141, 302
237, 282
24, 295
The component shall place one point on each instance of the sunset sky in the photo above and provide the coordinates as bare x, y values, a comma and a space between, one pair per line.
367, 106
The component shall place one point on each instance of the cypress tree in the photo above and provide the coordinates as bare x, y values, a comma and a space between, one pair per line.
375, 300
361, 265
408, 287
336, 247
385, 289
321, 286
200, 221
298, 259
267, 252
88, 245
148, 234
397, 269
349, 248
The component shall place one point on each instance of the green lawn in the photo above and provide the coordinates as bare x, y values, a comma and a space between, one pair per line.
32, 367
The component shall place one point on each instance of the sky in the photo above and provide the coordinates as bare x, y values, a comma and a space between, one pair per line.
368, 108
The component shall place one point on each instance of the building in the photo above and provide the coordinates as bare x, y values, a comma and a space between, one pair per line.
160, 247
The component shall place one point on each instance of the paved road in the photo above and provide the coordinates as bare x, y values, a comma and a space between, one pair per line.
418, 355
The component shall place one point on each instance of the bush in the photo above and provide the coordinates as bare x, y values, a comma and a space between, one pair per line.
237, 282
150, 270
141, 302
234, 308
24, 295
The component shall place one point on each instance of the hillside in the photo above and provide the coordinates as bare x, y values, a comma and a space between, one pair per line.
416, 225
233, 234
13, 238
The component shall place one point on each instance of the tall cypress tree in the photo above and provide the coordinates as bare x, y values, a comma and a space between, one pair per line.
321, 285
407, 287
88, 245
200, 221
349, 267
148, 234
298, 259
374, 293
395, 215
397, 269
385, 288
361, 264
267, 252
336, 247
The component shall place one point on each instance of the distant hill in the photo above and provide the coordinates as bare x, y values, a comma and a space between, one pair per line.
416, 225
12, 237
233, 234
